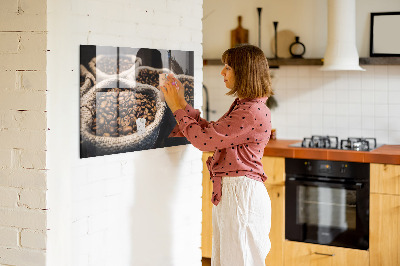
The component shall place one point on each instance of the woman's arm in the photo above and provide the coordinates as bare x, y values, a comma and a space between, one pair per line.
239, 127
175, 99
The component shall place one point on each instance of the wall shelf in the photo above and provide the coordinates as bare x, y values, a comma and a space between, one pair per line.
380, 61
274, 63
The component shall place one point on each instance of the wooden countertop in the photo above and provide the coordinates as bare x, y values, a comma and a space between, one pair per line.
389, 154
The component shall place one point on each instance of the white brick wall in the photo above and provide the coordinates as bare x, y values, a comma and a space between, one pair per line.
140, 208
23, 132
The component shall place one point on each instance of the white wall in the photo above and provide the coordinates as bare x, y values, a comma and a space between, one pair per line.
306, 19
311, 102
140, 208
23, 133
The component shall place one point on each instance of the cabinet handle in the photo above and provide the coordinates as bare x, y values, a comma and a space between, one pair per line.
324, 254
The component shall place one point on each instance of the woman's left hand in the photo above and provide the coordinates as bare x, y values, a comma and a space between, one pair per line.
170, 91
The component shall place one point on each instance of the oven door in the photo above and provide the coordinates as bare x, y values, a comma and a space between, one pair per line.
327, 213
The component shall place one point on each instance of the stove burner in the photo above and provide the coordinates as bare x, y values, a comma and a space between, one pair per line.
358, 144
332, 142
328, 142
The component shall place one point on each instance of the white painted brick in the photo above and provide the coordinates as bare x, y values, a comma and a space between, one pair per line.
33, 43
192, 23
31, 56
24, 22
8, 237
146, 32
34, 120
33, 7
33, 159
5, 158
8, 197
97, 173
9, 42
23, 178
33, 199
79, 176
8, 6
197, 11
7, 80
33, 239
23, 100
31, 80
80, 227
114, 186
22, 218
24, 139
17, 256
177, 7
98, 222
168, 19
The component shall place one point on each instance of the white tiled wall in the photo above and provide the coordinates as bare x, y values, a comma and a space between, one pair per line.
313, 102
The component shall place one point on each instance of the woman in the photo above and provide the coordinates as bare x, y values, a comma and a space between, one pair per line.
242, 208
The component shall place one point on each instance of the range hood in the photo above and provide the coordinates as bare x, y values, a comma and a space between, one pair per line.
341, 51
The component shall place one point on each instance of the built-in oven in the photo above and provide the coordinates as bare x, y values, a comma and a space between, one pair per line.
327, 202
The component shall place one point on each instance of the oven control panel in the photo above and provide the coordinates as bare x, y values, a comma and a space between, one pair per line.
337, 169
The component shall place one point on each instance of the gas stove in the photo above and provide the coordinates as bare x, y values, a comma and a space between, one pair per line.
332, 142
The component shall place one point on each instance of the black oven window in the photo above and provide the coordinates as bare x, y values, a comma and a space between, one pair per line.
326, 207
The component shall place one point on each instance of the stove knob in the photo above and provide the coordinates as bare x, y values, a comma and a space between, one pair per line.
343, 168
308, 166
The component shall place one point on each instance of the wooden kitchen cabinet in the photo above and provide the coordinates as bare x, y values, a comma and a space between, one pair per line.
206, 226
384, 236
385, 215
385, 178
274, 168
277, 233
305, 254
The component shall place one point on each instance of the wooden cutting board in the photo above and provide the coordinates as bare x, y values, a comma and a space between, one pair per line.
239, 35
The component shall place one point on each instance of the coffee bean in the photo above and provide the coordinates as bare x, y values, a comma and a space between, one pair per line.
148, 76
118, 118
189, 89
108, 64
127, 129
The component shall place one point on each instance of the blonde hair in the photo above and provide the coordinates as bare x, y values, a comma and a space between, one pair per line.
250, 66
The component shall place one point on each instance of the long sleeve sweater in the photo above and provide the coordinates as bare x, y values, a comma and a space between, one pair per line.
238, 139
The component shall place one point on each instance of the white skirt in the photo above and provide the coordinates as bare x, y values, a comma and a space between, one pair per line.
241, 223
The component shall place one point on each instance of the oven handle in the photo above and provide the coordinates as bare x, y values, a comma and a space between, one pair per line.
357, 185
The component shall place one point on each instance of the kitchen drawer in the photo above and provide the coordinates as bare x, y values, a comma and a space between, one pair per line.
305, 254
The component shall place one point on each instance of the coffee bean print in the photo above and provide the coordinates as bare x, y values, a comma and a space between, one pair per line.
117, 110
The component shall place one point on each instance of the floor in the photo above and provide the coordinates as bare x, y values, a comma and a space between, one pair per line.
206, 261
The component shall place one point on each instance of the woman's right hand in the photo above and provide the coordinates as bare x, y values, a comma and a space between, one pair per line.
181, 90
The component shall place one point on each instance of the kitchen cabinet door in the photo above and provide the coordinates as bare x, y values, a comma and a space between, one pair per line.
385, 178
277, 233
274, 168
206, 226
384, 237
305, 254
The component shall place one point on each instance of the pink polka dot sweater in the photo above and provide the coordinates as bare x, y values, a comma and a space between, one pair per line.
238, 139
